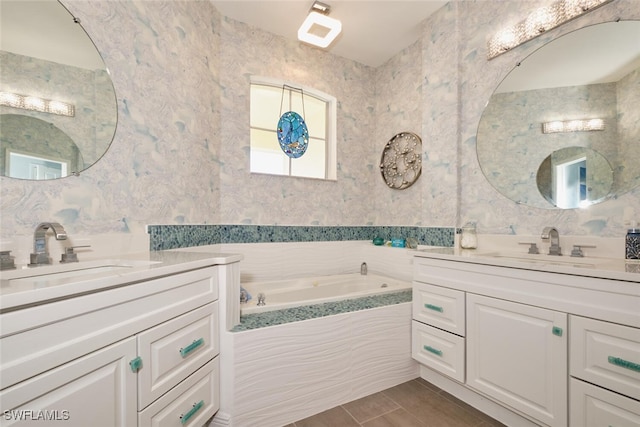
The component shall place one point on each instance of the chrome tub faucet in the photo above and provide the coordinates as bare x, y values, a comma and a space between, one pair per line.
551, 234
40, 255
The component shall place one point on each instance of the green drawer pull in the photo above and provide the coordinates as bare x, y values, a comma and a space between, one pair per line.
433, 307
184, 352
556, 331
136, 364
624, 363
196, 407
433, 350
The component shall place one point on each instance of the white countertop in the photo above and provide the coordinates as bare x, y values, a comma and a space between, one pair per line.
34, 285
605, 268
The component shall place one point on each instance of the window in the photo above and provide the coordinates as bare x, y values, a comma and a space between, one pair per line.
269, 99
25, 166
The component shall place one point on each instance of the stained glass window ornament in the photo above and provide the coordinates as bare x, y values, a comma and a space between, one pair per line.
401, 161
293, 134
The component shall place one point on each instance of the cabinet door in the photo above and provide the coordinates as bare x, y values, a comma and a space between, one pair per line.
517, 354
98, 389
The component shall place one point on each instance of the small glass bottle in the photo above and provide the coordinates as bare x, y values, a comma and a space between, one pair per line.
632, 242
468, 236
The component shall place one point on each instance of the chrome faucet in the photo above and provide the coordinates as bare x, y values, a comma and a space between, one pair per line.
40, 253
244, 296
551, 234
261, 298
363, 269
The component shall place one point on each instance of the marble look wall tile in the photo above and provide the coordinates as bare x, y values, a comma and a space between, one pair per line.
399, 107
629, 131
440, 117
262, 199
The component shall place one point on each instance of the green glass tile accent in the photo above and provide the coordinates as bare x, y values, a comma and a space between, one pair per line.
164, 237
296, 314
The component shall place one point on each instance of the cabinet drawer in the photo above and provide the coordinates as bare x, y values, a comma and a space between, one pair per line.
438, 350
439, 307
606, 354
592, 406
191, 403
174, 350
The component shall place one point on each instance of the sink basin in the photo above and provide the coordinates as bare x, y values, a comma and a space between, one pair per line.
545, 259
72, 270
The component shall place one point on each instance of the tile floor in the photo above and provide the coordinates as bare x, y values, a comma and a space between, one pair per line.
415, 403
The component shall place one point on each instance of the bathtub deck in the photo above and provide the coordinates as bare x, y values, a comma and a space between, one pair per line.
295, 314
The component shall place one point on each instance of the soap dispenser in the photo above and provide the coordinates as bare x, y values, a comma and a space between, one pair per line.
632, 242
468, 236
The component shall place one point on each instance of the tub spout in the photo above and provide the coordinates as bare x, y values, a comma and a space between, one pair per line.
363, 269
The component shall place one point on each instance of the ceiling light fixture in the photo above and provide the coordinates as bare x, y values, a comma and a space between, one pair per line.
34, 103
538, 22
317, 22
573, 126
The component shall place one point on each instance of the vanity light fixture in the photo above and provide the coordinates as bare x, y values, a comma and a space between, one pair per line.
319, 22
573, 126
34, 103
538, 22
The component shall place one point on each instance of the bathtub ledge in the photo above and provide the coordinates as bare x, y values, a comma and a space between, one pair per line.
296, 314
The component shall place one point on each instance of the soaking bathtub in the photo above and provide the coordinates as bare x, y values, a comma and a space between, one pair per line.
280, 294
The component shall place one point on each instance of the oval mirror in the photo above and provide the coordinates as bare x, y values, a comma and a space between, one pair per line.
574, 177
549, 102
58, 109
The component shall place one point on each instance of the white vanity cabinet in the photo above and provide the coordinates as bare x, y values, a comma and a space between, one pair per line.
540, 348
137, 354
517, 354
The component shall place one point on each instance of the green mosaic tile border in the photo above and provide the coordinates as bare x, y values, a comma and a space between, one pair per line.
305, 312
164, 237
